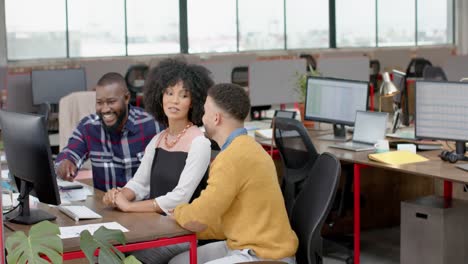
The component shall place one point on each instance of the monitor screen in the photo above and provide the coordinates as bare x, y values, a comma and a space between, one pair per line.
441, 110
29, 159
399, 80
334, 100
48, 86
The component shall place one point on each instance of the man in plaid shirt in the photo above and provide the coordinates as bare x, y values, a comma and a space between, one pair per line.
114, 138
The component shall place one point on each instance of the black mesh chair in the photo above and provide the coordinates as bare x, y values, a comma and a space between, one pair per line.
135, 79
312, 207
416, 67
298, 155
434, 73
240, 76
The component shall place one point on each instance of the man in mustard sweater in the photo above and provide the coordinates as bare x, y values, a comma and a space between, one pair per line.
242, 203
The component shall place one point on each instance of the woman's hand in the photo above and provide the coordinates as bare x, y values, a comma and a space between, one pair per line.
121, 202
110, 197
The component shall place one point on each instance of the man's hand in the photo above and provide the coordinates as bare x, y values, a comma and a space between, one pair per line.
109, 197
66, 170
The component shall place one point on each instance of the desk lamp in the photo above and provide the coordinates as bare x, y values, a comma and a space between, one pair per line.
387, 89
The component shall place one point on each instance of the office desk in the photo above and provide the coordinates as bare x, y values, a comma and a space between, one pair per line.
146, 230
434, 168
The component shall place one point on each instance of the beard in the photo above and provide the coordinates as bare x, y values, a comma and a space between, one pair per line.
117, 124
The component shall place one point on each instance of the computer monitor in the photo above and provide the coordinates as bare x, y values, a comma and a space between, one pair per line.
441, 112
29, 160
48, 86
399, 80
335, 101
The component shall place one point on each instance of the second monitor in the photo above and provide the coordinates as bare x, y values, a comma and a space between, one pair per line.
335, 101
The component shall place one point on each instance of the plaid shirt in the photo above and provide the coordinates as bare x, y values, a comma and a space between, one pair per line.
115, 157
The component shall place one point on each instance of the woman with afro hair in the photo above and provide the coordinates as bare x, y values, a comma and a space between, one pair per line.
174, 167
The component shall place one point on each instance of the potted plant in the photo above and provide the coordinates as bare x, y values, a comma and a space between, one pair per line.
44, 242
301, 88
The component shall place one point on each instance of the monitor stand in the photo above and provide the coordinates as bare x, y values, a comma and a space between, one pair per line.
339, 134
24, 214
460, 149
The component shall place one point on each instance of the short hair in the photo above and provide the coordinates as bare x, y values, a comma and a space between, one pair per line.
232, 98
195, 78
111, 78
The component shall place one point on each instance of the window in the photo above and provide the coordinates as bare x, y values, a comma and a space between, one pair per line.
435, 22
261, 24
396, 22
355, 30
96, 28
213, 31
152, 27
307, 24
33, 33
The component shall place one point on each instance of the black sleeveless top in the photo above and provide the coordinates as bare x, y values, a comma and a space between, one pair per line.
165, 173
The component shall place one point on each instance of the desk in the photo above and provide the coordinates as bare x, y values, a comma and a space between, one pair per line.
146, 230
434, 168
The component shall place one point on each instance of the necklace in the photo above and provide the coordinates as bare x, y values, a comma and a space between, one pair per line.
172, 143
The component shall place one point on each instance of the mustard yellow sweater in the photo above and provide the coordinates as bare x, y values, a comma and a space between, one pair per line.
243, 203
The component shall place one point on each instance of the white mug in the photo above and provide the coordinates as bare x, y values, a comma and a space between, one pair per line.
382, 145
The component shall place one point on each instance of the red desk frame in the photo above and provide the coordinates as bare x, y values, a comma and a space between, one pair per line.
192, 239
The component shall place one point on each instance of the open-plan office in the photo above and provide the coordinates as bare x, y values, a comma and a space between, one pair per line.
263, 46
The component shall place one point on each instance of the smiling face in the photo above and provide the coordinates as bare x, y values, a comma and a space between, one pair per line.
112, 106
177, 102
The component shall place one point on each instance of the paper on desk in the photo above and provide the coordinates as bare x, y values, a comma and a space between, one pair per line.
9, 200
398, 157
75, 194
75, 231
5, 174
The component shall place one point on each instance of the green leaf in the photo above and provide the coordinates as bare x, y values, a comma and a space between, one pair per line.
43, 239
131, 260
101, 240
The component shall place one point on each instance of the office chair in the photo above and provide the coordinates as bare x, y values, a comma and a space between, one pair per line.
240, 76
297, 153
312, 207
435, 73
416, 67
135, 79
72, 108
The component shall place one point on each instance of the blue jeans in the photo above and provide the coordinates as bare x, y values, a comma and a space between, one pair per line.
219, 253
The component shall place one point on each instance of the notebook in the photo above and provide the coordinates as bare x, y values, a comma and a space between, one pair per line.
369, 127
398, 157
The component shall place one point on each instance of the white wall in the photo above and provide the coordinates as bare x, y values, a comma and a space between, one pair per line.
461, 25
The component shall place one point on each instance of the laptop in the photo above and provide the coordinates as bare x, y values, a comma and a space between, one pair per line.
369, 127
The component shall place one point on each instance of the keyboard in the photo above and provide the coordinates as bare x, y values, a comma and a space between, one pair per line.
354, 146
78, 212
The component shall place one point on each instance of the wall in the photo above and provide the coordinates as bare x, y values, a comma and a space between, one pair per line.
461, 26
